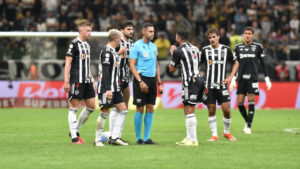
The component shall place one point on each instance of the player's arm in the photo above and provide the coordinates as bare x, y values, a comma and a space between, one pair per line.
132, 62
106, 61
67, 73
265, 68
161, 90
234, 67
175, 59
236, 57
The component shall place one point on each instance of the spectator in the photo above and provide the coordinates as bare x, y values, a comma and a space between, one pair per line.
11, 9
33, 71
294, 23
163, 45
257, 31
234, 39
41, 25
266, 26
52, 22
240, 20
294, 46
27, 20
282, 72
223, 37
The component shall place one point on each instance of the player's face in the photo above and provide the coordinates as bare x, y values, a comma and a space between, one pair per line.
118, 40
149, 33
128, 31
248, 36
177, 38
213, 39
85, 31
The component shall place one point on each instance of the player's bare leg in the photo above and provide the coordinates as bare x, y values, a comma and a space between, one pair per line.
227, 121
212, 120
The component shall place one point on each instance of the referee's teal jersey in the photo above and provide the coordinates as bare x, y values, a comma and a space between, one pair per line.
145, 55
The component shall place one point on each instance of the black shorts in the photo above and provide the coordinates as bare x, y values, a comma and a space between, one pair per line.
116, 99
123, 84
248, 87
140, 98
193, 93
217, 95
81, 91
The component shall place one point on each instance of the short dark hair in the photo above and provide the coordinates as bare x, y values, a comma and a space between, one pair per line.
184, 35
249, 28
126, 23
212, 30
146, 25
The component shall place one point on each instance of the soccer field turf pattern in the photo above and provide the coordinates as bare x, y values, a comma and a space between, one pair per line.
38, 138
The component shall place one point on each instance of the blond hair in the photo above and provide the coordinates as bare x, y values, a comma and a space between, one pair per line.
112, 34
84, 23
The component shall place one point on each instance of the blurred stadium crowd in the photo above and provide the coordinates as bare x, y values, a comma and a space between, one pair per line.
276, 23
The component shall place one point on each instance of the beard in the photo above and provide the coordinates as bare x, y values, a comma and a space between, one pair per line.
129, 36
177, 44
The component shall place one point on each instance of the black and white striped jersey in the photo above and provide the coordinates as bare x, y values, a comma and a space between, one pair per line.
248, 57
109, 69
80, 66
124, 63
186, 58
216, 60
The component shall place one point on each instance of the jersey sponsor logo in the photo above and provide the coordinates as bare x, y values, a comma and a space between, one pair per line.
210, 62
83, 56
247, 56
218, 62
246, 76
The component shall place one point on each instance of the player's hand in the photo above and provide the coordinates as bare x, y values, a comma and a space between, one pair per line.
109, 94
122, 50
67, 86
232, 84
268, 83
226, 81
144, 87
173, 47
161, 89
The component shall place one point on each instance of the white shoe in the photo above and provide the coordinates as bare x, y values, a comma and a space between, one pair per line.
99, 144
190, 143
121, 142
245, 127
247, 131
182, 141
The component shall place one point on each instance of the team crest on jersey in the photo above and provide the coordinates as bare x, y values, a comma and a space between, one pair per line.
253, 48
222, 53
209, 53
76, 92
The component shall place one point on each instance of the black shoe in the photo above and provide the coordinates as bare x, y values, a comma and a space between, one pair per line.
140, 142
112, 142
149, 141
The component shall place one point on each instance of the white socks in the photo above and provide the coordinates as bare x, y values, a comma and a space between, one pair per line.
191, 127
112, 118
84, 115
119, 124
73, 122
227, 123
100, 125
213, 125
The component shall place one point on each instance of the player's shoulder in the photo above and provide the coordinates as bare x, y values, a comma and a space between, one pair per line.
75, 40
257, 44
205, 48
225, 47
239, 45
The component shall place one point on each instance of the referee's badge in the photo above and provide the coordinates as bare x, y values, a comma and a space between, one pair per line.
145, 54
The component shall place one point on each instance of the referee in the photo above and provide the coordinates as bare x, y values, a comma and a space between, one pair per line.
144, 67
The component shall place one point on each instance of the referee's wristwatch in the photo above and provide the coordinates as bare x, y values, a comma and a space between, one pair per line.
139, 80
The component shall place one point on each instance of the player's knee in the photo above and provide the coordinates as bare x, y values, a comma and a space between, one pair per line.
149, 109
140, 109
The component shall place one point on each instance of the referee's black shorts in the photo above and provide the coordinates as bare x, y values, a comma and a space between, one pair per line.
247, 87
81, 91
140, 98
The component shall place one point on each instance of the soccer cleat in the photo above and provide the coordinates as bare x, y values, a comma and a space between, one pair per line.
213, 138
149, 141
98, 144
121, 142
77, 142
81, 140
182, 141
247, 130
190, 143
140, 142
245, 127
229, 137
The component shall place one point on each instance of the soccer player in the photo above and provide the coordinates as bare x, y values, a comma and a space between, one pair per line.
186, 58
144, 67
78, 80
126, 43
248, 54
109, 93
216, 56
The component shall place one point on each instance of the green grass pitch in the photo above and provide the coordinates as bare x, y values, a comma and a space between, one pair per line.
38, 138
